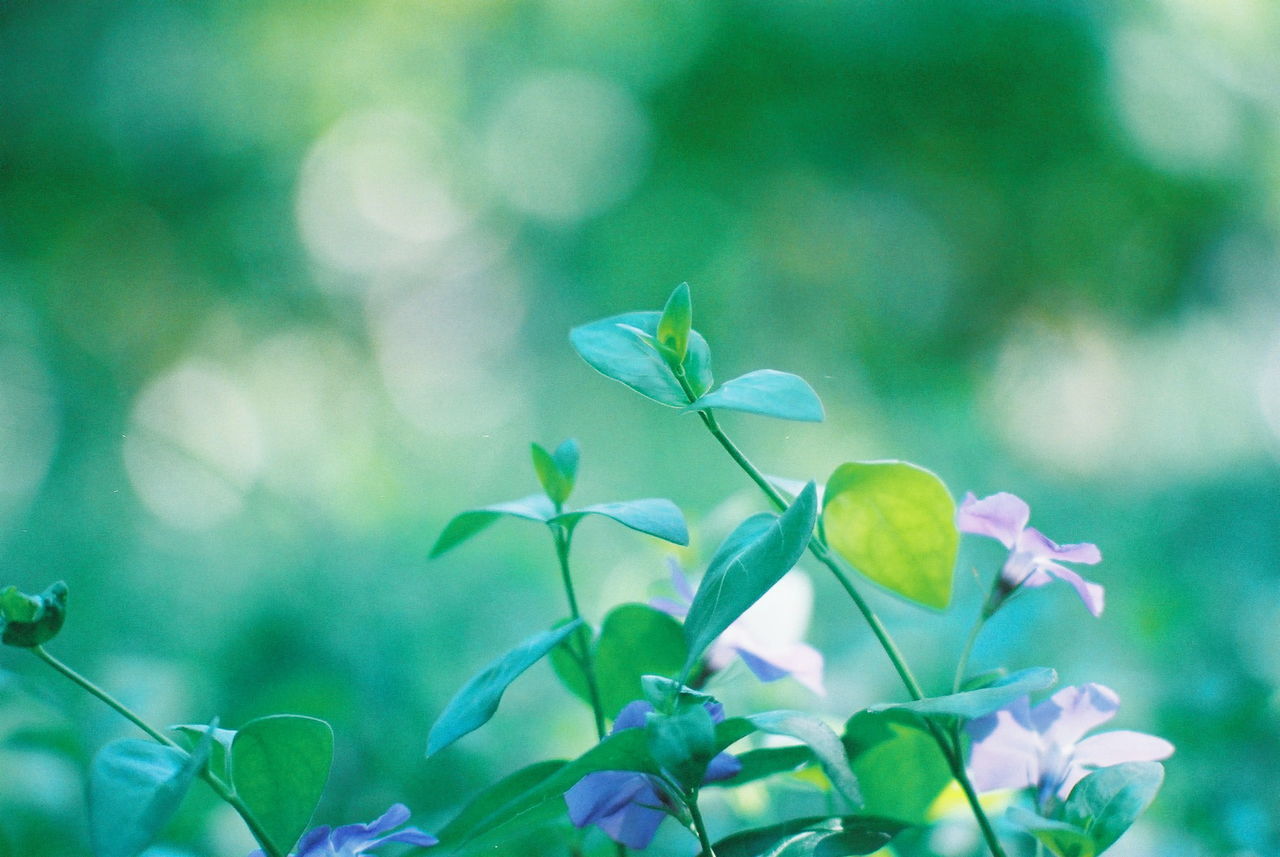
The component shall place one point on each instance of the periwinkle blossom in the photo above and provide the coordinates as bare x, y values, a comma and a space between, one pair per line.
356, 840
1032, 557
1045, 748
628, 805
766, 637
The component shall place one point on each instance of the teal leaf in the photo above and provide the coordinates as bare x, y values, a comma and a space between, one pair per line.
536, 507
747, 564
566, 460
768, 393
766, 762
279, 767
666, 694
1107, 802
682, 743
473, 705
1060, 838
134, 789
652, 516
881, 745
818, 836
895, 523
673, 329
970, 704
28, 621
635, 640
613, 348
826, 746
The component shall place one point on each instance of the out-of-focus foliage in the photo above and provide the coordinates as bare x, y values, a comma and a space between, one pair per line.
285, 285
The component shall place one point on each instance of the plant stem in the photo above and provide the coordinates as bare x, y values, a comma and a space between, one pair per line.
583, 635
819, 549
963, 664
220, 788
699, 825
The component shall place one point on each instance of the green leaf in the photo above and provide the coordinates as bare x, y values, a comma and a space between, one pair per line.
898, 764
895, 523
493, 798
652, 516
682, 744
473, 705
1107, 802
635, 640
747, 564
818, 736
613, 348
675, 324
135, 787
768, 393
976, 703
566, 460
279, 766
536, 507
766, 762
818, 836
219, 748
549, 476
1062, 839
28, 621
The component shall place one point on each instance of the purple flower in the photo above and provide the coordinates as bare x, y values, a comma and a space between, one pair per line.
1044, 747
766, 637
356, 840
627, 805
1031, 556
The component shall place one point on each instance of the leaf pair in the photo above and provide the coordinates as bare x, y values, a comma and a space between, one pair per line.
1101, 807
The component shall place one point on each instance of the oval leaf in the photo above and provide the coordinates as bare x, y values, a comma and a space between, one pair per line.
279, 766
768, 393
1107, 802
747, 564
652, 516
134, 789
613, 348
818, 736
881, 745
976, 703
553, 482
673, 328
473, 705
535, 507
895, 523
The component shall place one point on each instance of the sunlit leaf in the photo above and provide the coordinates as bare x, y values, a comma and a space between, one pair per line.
553, 482
675, 323
975, 703
536, 507
613, 348
895, 523
1060, 838
1107, 802
881, 746
279, 767
768, 393
652, 516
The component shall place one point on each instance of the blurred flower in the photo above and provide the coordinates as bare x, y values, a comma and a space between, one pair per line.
356, 840
1044, 747
1031, 556
754, 636
627, 805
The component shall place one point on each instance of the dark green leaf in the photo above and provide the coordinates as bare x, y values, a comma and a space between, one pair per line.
767, 761
818, 836
279, 767
970, 704
473, 705
751, 560
768, 393
675, 324
28, 621
682, 744
134, 789
495, 797
818, 736
613, 348
898, 764
536, 507
1107, 802
895, 523
1062, 839
652, 516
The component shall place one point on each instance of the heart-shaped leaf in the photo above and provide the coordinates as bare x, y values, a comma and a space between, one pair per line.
652, 516
895, 523
536, 507
768, 393
975, 703
1107, 802
473, 705
134, 789
279, 767
617, 348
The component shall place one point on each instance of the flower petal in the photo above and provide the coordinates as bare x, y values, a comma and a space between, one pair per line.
1035, 542
1006, 751
631, 716
1001, 516
601, 794
1122, 745
1065, 717
411, 835
800, 661
721, 767
669, 606
1092, 594
634, 825
680, 581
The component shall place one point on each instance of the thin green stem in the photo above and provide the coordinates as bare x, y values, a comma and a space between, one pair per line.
219, 787
583, 636
963, 664
699, 826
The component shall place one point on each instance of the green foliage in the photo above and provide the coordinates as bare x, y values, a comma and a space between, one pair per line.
682, 743
819, 836
473, 705
624, 348
895, 522
135, 787
766, 392
219, 747
652, 516
634, 640
766, 762
824, 743
557, 472
536, 507
28, 621
747, 564
898, 764
1107, 802
969, 704
1062, 839
495, 797
279, 767
674, 326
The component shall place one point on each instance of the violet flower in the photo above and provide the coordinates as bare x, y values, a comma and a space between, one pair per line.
766, 637
1044, 747
356, 840
1032, 557
628, 805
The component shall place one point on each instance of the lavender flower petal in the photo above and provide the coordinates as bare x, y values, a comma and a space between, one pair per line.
1037, 543
1065, 717
1001, 516
1092, 594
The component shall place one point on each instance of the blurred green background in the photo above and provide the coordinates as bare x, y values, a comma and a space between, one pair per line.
286, 284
